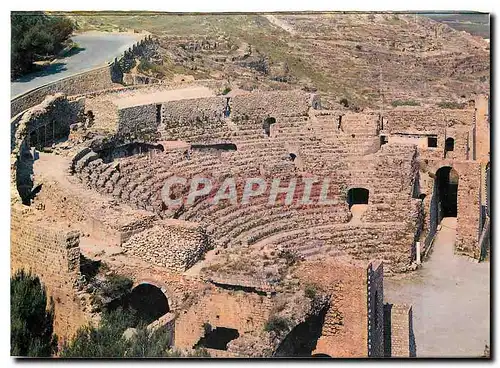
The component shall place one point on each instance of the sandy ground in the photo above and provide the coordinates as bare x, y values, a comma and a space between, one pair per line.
163, 96
450, 295
98, 48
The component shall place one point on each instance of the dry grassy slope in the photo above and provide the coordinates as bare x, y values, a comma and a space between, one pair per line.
405, 57
361, 57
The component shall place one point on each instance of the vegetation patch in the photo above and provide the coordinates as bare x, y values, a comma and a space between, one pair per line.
277, 325
451, 105
396, 103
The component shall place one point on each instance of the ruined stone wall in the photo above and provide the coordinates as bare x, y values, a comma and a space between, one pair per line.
375, 292
259, 105
345, 330
468, 206
482, 138
174, 244
469, 209
198, 120
360, 123
54, 116
89, 81
425, 120
399, 336
195, 110
53, 254
246, 312
137, 120
41, 125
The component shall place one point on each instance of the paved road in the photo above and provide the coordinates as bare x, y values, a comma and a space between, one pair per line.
97, 48
450, 297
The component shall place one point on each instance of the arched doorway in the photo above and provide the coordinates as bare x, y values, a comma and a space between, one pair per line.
147, 300
446, 189
302, 339
357, 196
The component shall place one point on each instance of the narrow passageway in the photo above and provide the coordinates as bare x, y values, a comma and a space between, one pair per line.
450, 296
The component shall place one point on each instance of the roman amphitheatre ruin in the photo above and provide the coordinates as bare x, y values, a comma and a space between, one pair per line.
90, 155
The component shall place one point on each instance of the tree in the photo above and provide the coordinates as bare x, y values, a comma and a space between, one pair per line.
31, 318
36, 35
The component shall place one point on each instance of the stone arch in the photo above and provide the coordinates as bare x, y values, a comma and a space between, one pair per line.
267, 125
301, 341
445, 194
147, 299
357, 195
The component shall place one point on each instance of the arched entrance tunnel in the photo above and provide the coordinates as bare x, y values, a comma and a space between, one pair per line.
446, 188
148, 301
302, 339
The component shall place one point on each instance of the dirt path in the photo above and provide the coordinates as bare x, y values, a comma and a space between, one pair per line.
450, 296
280, 23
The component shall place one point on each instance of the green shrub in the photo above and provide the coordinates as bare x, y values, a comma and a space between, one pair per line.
31, 317
396, 103
107, 340
310, 291
450, 105
116, 285
290, 257
226, 90
344, 102
36, 36
277, 324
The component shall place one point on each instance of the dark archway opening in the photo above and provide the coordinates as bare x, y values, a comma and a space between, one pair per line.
384, 140
293, 156
449, 144
267, 125
447, 189
214, 147
357, 196
320, 355
111, 153
148, 301
302, 339
218, 338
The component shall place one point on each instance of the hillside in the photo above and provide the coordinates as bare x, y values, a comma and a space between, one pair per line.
366, 59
